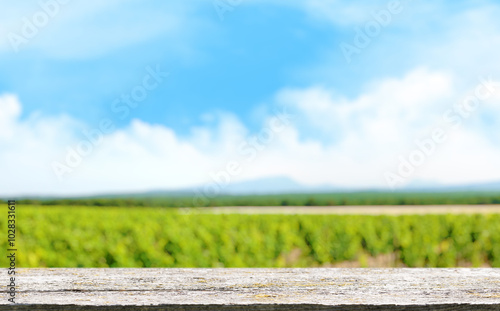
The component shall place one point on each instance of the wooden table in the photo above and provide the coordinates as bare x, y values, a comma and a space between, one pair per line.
255, 289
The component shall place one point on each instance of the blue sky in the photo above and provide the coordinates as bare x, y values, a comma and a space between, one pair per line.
231, 66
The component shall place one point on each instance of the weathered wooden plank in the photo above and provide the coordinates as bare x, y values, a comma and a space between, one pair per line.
256, 289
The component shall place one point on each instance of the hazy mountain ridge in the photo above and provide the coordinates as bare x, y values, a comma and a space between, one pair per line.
285, 185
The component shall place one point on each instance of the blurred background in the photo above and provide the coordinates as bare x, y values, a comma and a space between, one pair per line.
167, 104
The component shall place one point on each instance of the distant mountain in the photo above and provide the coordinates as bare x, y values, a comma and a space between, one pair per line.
426, 186
421, 186
273, 185
285, 185
270, 185
491, 186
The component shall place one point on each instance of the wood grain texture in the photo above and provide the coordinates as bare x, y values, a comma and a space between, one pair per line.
256, 289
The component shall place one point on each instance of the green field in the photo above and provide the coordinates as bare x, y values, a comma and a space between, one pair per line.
318, 199
77, 236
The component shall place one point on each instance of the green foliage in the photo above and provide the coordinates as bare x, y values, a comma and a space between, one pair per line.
159, 237
321, 199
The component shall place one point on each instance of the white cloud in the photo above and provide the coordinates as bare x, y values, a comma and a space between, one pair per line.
140, 157
468, 157
76, 29
10, 111
370, 132
382, 112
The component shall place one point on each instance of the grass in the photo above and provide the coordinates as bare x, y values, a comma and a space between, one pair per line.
80, 236
319, 199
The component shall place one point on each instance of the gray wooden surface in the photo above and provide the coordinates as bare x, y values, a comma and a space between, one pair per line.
255, 289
